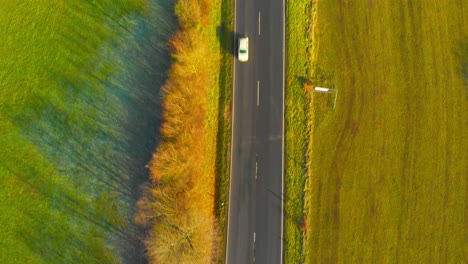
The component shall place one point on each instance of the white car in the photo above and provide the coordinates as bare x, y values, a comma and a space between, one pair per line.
243, 54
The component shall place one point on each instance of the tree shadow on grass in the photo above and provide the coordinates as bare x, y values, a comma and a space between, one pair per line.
227, 38
70, 230
100, 128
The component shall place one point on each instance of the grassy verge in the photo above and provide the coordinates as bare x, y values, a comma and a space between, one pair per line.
388, 165
225, 34
298, 70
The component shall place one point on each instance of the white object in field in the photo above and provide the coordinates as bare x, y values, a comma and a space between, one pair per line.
328, 90
322, 89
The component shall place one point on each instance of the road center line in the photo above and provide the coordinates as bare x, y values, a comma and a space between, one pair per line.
253, 260
256, 169
259, 23
258, 93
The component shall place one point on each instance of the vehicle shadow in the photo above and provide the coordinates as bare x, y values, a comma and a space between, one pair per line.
228, 39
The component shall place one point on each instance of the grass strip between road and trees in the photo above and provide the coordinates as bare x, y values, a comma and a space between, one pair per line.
226, 37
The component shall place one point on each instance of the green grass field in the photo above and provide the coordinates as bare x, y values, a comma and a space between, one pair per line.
78, 118
388, 165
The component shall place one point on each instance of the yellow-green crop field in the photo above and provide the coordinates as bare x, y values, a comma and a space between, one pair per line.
388, 165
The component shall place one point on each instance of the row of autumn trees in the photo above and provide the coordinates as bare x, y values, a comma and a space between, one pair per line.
178, 207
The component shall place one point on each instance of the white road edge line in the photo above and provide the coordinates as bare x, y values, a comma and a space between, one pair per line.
258, 93
282, 157
259, 23
232, 131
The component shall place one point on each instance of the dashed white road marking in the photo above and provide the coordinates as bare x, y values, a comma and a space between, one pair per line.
259, 23
258, 93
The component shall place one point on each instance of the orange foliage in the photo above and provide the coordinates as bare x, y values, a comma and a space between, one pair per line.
193, 12
179, 204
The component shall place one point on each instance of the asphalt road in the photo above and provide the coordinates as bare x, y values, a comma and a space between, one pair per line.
255, 225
